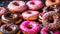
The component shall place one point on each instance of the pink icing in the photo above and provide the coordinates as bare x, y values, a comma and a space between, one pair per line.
32, 13
37, 5
57, 32
2, 10
21, 6
44, 31
35, 27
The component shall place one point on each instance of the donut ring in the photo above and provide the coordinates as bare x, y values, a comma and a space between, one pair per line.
46, 31
30, 15
35, 5
8, 29
50, 19
17, 6
27, 28
11, 18
52, 2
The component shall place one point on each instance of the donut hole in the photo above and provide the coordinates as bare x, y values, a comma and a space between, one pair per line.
50, 19
32, 3
53, 0
16, 4
29, 27
29, 12
8, 29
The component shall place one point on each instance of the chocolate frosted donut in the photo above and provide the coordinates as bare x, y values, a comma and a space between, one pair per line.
8, 29
11, 18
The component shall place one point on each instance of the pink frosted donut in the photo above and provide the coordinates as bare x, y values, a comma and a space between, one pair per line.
30, 15
30, 27
57, 32
50, 19
17, 6
46, 31
2, 11
34, 5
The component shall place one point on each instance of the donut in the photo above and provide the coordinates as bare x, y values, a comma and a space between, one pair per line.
30, 27
50, 19
44, 30
2, 11
50, 8
12, 18
17, 6
34, 5
8, 29
52, 2
40, 17
30, 15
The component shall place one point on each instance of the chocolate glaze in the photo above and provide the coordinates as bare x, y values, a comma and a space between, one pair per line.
10, 18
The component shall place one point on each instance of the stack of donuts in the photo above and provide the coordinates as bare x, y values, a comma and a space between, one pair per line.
31, 17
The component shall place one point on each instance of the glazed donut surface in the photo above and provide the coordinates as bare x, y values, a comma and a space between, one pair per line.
17, 6
11, 18
30, 27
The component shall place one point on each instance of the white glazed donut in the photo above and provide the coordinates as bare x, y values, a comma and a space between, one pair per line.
34, 5
17, 6
30, 15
